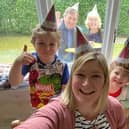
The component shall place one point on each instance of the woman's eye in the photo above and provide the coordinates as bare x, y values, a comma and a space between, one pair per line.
80, 74
52, 44
96, 76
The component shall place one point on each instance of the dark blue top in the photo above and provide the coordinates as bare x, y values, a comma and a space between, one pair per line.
96, 37
67, 42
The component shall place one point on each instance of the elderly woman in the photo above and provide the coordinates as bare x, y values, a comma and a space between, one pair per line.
84, 103
93, 24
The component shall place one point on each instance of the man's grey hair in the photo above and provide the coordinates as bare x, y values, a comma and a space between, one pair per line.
70, 10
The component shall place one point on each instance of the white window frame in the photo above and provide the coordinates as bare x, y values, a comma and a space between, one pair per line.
111, 18
42, 8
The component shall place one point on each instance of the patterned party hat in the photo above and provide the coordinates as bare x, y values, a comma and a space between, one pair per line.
49, 23
83, 45
81, 39
124, 55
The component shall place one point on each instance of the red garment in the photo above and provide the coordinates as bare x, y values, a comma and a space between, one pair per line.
116, 94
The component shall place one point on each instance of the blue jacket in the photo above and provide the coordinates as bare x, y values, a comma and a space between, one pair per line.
65, 43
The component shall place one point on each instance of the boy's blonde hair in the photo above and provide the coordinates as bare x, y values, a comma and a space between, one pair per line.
125, 66
68, 97
39, 31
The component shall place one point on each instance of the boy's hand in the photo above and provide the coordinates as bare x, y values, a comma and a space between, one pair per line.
25, 58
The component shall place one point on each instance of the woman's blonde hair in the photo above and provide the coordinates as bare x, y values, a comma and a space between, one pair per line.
39, 31
94, 16
67, 96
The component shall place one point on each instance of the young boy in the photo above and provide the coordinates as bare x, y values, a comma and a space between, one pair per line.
47, 74
119, 79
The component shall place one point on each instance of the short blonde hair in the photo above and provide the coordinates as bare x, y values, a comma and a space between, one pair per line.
114, 64
70, 10
67, 96
39, 31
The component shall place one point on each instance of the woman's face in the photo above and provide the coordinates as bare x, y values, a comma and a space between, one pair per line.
119, 77
88, 83
93, 23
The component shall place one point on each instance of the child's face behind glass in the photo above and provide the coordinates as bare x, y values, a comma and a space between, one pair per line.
46, 46
119, 77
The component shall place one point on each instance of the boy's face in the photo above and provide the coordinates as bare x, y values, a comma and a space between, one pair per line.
46, 46
119, 77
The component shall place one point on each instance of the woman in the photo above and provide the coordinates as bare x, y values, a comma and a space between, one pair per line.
93, 24
84, 102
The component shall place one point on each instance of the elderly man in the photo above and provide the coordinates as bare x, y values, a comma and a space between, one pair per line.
68, 30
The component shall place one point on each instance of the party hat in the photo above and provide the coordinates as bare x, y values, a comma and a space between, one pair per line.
49, 23
124, 55
76, 6
83, 45
94, 11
